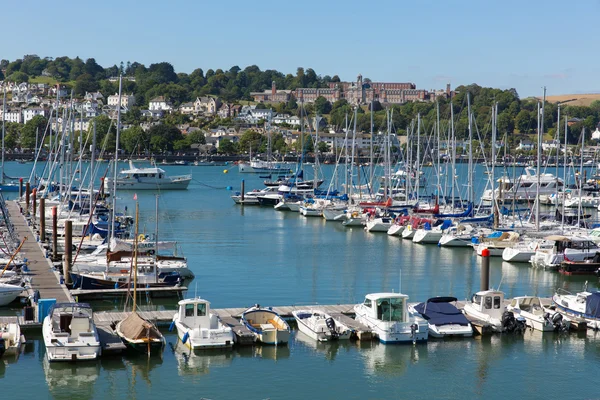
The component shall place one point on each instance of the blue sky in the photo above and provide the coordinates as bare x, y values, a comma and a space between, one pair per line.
523, 44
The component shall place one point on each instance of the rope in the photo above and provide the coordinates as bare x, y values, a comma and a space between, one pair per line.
209, 186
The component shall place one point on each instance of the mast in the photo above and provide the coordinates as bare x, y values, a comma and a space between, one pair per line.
581, 175
418, 177
135, 252
3, 133
564, 174
92, 174
437, 129
155, 243
453, 164
557, 151
371, 150
470, 174
539, 160
114, 188
353, 146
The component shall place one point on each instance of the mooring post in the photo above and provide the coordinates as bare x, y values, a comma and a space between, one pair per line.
54, 235
243, 190
20, 188
43, 220
27, 192
33, 202
68, 251
485, 269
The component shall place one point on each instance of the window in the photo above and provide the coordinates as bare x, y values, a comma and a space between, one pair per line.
488, 303
497, 302
201, 310
189, 310
367, 303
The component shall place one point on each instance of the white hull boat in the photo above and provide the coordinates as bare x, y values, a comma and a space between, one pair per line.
396, 230
198, 328
536, 316
443, 318
584, 305
427, 236
13, 339
381, 224
320, 326
266, 325
488, 306
8, 293
152, 178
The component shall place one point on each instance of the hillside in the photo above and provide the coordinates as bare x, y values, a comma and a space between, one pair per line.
577, 99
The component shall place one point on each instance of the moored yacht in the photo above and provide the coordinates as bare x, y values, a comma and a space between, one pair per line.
524, 188
151, 178
584, 305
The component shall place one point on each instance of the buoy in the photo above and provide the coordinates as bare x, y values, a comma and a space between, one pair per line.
229, 188
185, 337
171, 326
225, 171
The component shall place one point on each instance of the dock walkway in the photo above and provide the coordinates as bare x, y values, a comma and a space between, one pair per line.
43, 277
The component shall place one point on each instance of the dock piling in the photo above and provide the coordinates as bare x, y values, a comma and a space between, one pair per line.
485, 270
54, 235
20, 188
33, 202
243, 190
43, 220
68, 250
27, 193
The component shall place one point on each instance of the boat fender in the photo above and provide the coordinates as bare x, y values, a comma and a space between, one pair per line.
171, 326
185, 337
141, 237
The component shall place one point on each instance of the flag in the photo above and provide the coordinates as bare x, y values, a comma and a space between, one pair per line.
135, 196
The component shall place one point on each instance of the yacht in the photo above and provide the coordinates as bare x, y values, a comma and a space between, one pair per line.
379, 224
560, 248
536, 316
264, 167
496, 242
584, 305
387, 315
70, 333
320, 326
488, 306
443, 318
427, 234
522, 251
251, 198
523, 188
266, 325
198, 328
152, 178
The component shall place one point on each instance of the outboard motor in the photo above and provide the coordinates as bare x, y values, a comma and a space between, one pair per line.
331, 325
557, 321
2, 347
511, 324
414, 328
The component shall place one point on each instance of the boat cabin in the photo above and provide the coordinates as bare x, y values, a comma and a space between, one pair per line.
195, 312
71, 319
527, 303
386, 306
490, 302
561, 243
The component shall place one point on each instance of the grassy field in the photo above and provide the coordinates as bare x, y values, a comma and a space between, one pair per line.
575, 99
43, 79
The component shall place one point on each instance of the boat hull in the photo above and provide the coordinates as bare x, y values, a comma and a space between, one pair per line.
8, 296
198, 340
179, 184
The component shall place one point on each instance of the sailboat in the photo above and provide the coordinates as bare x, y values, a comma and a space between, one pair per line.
138, 334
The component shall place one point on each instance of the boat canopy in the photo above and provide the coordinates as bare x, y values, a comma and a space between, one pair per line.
592, 305
135, 327
439, 311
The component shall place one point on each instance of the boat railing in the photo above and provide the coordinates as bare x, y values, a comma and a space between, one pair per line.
563, 291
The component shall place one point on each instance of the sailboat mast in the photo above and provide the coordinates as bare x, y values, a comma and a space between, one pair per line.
453, 165
92, 173
539, 160
114, 188
135, 253
557, 151
418, 177
156, 238
437, 164
564, 174
581, 176
470, 174
3, 133
371, 150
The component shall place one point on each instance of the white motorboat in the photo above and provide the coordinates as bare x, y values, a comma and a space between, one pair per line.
251, 198
198, 328
521, 252
387, 315
152, 178
264, 167
268, 327
584, 305
11, 338
443, 318
523, 188
8, 293
379, 224
558, 248
70, 333
488, 306
320, 326
536, 316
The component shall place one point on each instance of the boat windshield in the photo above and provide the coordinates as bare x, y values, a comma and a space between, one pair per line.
390, 309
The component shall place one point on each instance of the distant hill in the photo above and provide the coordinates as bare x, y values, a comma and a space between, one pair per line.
577, 99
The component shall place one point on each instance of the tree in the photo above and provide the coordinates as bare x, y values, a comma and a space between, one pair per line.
322, 106
132, 138
523, 121
323, 147
85, 83
18, 77
250, 140
163, 137
226, 146
36, 125
506, 124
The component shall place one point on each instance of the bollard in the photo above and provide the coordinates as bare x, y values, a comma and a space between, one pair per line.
33, 202
54, 235
485, 269
27, 192
68, 251
243, 190
43, 219
20, 188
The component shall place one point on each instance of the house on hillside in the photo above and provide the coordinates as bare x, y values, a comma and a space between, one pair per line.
187, 108
207, 105
160, 104
29, 113
127, 100
525, 145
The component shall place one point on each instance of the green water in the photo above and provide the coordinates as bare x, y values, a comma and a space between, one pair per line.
247, 255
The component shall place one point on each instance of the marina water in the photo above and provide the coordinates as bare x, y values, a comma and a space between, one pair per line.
247, 255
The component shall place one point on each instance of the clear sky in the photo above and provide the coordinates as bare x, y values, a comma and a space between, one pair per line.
525, 44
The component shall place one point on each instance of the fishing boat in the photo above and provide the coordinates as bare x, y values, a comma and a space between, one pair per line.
488, 306
266, 325
8, 293
387, 315
152, 178
70, 333
443, 318
198, 328
536, 316
584, 305
320, 325
11, 338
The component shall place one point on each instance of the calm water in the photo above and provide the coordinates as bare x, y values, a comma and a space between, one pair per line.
243, 256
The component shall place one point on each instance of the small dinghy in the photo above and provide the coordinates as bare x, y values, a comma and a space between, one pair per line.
320, 326
266, 325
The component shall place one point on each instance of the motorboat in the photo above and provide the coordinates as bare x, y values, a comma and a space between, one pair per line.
11, 338
320, 325
443, 318
496, 242
521, 252
523, 188
559, 248
589, 266
70, 333
198, 328
251, 198
8, 293
152, 178
536, 316
266, 325
263, 167
584, 305
387, 315
488, 306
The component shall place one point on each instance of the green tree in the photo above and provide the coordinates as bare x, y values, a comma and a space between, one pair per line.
322, 106
226, 146
250, 140
132, 139
85, 83
323, 147
18, 77
523, 121
163, 137
36, 125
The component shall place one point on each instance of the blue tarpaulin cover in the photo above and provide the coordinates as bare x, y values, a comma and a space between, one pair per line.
438, 311
592, 305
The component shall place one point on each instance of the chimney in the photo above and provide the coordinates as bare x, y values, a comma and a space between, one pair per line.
273, 88
448, 89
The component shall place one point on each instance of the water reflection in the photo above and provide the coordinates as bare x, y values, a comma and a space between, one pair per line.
330, 349
71, 380
198, 362
381, 359
265, 352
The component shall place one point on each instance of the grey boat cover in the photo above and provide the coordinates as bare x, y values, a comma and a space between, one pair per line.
439, 311
592, 305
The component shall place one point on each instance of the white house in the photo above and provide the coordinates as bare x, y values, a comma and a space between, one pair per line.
29, 113
80, 125
127, 100
12, 116
159, 104
550, 144
596, 134
525, 145
187, 108
286, 119
152, 113
207, 105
